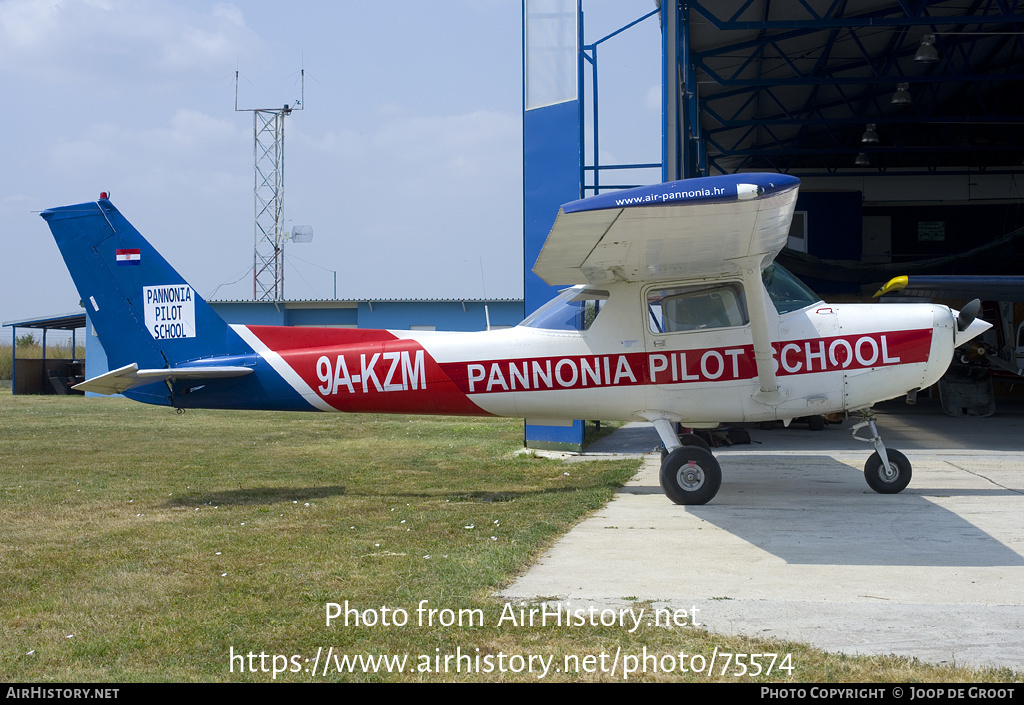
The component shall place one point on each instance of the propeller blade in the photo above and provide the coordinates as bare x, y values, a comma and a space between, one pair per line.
967, 315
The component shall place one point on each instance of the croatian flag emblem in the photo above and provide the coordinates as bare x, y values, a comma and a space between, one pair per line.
127, 258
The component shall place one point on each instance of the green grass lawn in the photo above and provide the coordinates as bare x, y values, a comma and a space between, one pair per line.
141, 545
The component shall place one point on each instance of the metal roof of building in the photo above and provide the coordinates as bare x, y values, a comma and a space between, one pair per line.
471, 299
67, 321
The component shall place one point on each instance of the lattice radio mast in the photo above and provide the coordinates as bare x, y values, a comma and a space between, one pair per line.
268, 196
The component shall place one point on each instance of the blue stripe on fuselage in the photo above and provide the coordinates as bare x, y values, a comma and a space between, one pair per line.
264, 389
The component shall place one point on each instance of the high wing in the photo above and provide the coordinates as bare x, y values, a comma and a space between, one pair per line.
697, 228
681, 229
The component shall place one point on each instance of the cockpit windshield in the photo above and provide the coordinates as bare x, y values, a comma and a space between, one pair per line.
786, 291
573, 309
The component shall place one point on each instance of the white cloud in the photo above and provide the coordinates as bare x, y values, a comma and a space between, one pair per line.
191, 127
413, 170
86, 153
191, 150
229, 12
64, 41
652, 101
438, 195
25, 23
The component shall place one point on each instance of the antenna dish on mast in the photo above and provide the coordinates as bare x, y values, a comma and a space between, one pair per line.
302, 234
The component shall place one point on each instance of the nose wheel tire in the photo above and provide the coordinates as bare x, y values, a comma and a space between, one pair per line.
690, 475
896, 480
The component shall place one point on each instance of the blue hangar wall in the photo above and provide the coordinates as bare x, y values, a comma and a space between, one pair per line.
552, 159
454, 315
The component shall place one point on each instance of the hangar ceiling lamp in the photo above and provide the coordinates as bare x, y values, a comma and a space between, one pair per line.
862, 160
870, 136
927, 53
902, 95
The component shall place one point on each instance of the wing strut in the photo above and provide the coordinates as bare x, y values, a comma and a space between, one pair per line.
769, 393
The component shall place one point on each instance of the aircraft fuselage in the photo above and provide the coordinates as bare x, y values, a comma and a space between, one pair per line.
828, 358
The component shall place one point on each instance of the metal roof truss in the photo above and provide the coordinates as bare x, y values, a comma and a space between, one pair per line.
792, 86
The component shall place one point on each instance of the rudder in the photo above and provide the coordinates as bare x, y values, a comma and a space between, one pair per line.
143, 311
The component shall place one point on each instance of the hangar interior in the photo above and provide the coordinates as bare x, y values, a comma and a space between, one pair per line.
901, 118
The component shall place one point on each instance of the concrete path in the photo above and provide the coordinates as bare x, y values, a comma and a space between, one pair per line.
796, 545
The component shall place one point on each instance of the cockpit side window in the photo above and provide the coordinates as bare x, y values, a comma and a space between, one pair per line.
700, 307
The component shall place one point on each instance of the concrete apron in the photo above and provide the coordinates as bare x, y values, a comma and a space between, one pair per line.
796, 546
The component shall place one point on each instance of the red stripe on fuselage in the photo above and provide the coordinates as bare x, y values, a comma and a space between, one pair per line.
722, 364
359, 370
375, 371
281, 338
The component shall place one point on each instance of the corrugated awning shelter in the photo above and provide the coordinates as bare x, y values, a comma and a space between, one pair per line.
67, 321
46, 376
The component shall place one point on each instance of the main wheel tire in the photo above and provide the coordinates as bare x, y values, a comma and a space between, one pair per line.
892, 482
690, 475
692, 439
688, 439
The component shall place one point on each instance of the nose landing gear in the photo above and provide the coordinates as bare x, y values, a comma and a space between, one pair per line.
886, 471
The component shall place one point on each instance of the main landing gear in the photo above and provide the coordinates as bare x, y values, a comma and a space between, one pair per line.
690, 474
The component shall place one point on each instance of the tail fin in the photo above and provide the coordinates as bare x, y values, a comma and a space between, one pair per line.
141, 308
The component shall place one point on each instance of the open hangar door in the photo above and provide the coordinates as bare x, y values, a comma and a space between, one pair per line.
901, 118
903, 122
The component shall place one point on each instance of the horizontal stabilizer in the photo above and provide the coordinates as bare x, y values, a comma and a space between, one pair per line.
129, 376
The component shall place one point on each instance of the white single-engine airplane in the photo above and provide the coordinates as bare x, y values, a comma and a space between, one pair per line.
677, 314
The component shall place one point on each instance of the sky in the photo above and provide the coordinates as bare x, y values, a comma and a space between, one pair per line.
406, 159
